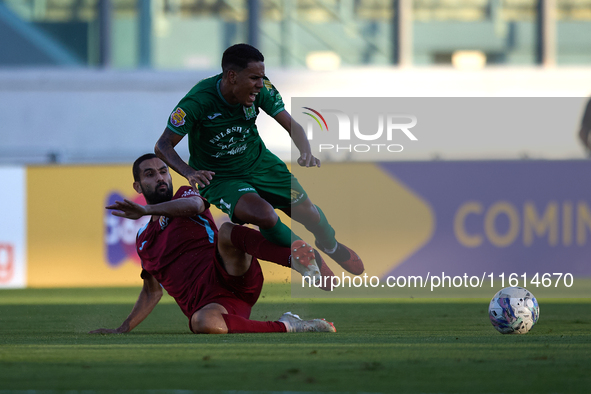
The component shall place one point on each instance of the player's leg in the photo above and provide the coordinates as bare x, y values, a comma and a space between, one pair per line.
313, 218
240, 201
280, 189
230, 312
209, 320
288, 322
215, 319
236, 288
236, 245
252, 208
277, 236
236, 261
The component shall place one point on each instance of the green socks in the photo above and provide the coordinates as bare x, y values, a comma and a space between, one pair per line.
323, 232
282, 235
279, 234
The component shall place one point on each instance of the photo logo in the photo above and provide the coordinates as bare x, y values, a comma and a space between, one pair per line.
352, 137
120, 233
315, 118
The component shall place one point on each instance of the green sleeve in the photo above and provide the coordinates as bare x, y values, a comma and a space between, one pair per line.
185, 116
271, 101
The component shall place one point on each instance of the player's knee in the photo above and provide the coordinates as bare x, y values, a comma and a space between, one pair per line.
268, 221
264, 219
266, 216
253, 209
205, 328
203, 325
306, 213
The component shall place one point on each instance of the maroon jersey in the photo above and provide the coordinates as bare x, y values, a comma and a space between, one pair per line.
179, 253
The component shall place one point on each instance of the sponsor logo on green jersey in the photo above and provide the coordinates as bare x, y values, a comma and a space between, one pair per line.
250, 112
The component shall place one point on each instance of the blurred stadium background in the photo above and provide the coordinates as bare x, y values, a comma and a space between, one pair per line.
86, 86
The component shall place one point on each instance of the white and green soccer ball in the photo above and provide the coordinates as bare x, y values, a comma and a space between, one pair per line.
513, 310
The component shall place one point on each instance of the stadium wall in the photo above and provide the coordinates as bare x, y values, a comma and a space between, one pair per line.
106, 116
405, 218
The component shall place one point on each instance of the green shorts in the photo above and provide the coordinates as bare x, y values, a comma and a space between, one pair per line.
271, 180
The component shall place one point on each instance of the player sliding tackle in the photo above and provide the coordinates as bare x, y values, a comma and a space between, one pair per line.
230, 164
215, 277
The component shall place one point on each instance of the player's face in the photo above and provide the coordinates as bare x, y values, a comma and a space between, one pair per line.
248, 83
155, 181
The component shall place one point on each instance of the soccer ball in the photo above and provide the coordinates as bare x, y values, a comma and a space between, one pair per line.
513, 310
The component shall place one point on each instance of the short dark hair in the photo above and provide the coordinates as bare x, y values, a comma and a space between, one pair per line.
140, 160
238, 56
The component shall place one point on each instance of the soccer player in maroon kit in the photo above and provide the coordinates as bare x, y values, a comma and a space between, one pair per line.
214, 277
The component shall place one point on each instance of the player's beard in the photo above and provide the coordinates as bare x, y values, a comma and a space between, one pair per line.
156, 196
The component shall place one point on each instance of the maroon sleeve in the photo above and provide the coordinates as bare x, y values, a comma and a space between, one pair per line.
188, 191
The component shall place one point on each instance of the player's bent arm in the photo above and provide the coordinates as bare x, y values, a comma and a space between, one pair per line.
149, 297
189, 206
298, 135
164, 149
295, 130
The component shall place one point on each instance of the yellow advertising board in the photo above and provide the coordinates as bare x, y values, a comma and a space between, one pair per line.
371, 212
74, 241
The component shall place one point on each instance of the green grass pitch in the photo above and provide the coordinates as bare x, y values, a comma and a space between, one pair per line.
385, 345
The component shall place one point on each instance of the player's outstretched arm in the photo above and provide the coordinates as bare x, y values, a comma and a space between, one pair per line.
298, 135
149, 296
128, 209
164, 149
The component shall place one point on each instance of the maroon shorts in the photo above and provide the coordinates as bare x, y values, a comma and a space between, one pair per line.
237, 294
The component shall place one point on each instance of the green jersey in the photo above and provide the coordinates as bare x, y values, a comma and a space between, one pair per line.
222, 137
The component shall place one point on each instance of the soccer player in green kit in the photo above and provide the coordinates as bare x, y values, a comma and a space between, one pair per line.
230, 164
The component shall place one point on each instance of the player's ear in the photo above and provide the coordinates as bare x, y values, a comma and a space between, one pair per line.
232, 76
137, 187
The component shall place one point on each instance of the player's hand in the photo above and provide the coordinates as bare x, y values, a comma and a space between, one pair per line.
200, 178
308, 160
128, 209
